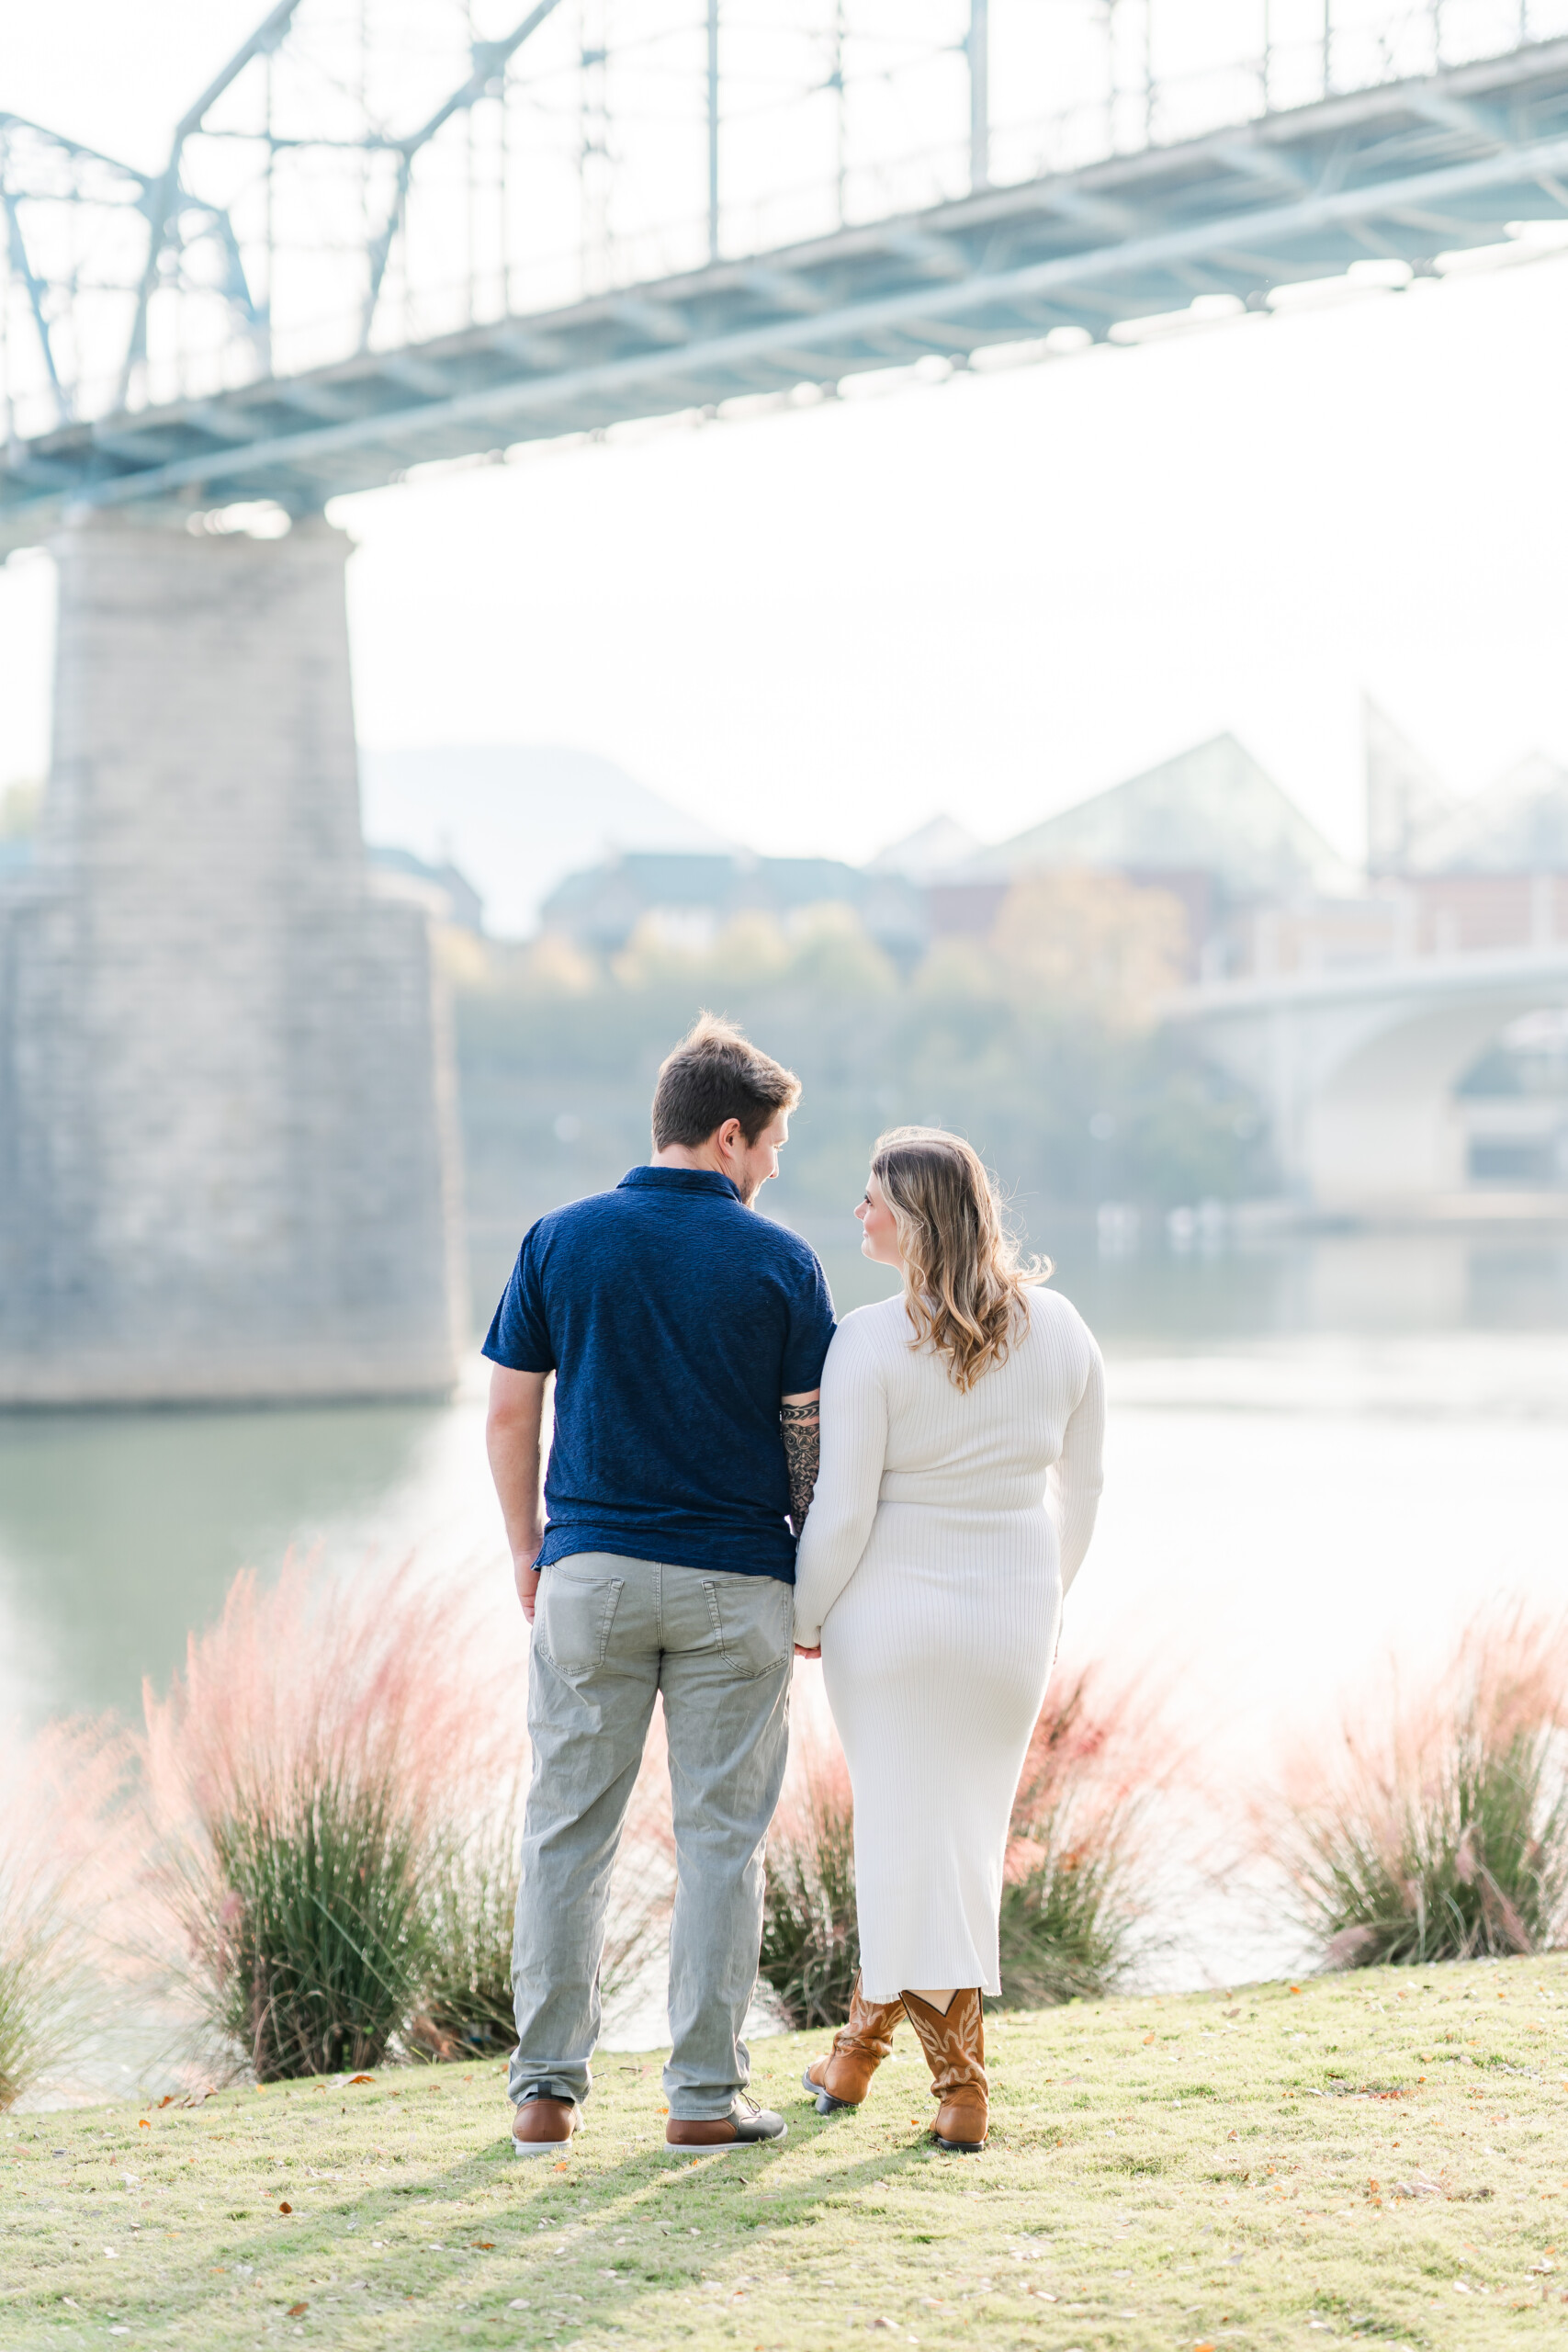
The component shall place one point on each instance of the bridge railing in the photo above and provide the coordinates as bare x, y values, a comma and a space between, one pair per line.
382, 174
1437, 916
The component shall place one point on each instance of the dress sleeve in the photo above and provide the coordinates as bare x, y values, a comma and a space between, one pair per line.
854, 1447
1075, 1476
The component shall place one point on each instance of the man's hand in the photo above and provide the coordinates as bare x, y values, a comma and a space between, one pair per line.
514, 1441
526, 1577
801, 1650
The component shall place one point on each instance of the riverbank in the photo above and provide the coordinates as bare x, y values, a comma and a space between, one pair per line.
1381, 2157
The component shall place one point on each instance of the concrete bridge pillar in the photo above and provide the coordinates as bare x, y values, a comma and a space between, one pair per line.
227, 1161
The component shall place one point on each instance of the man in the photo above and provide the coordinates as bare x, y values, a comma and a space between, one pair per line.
686, 1336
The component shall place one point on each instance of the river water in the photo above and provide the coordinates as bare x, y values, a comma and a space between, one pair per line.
1322, 1452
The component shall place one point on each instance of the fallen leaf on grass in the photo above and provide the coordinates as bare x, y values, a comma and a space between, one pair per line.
297, 2310
285, 2207
484, 2245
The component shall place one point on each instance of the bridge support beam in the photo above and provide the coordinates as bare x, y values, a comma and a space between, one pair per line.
226, 1168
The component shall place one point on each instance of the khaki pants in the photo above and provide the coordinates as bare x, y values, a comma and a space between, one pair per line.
608, 1635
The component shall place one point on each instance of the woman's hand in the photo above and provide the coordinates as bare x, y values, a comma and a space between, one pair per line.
801, 1650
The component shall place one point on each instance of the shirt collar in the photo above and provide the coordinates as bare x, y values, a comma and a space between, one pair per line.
681, 1180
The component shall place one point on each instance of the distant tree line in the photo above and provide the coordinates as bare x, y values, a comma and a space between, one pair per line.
1038, 1043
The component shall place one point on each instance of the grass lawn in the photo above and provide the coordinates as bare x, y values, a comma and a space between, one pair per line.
1382, 2157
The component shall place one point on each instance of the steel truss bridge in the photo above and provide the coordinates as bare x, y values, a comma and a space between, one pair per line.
393, 233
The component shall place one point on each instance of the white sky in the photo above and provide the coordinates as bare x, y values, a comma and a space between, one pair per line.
990, 596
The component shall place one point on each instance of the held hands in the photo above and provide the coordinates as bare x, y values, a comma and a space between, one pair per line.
801, 1650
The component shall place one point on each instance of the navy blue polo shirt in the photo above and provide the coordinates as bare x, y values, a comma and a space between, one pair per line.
674, 1319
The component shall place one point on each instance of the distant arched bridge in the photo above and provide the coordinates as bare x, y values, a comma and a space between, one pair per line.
1358, 1068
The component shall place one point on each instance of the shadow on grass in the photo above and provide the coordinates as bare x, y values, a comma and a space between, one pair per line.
739, 2195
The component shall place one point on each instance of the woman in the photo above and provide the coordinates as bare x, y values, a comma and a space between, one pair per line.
931, 1571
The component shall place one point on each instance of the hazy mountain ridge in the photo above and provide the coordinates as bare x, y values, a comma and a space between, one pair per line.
516, 817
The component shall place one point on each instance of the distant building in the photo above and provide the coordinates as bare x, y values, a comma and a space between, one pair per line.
1263, 891
440, 891
1211, 827
685, 899
1212, 810
1418, 825
1445, 877
930, 854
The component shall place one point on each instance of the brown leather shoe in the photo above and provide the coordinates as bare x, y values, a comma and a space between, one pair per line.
543, 2127
842, 2078
954, 2044
744, 2126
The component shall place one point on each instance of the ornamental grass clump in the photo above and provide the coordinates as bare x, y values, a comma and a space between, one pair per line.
305, 1778
1077, 1875
1438, 1828
465, 1998
60, 1822
1079, 1864
810, 1932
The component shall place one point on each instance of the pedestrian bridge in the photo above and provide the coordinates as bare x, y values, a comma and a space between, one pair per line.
432, 231
1357, 1068
350, 263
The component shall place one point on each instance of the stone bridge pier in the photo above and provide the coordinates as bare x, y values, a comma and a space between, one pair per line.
227, 1137
1357, 1068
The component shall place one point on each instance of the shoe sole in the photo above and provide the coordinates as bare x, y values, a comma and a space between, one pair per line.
539, 2147
825, 2102
960, 2147
721, 2147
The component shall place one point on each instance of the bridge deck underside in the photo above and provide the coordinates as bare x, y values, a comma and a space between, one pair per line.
1406, 172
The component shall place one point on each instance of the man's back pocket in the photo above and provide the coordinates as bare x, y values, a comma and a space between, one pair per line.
575, 1615
753, 1622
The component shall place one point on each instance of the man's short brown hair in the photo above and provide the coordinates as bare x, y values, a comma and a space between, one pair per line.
716, 1074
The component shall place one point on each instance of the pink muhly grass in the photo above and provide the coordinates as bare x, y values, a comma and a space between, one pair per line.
370, 1678
1079, 1872
309, 1776
467, 2002
1081, 1867
60, 1839
810, 1930
1434, 1827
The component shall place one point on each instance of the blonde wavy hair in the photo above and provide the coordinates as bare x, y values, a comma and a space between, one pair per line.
963, 1282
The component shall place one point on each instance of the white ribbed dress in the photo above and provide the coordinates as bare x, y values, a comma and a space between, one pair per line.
931, 1567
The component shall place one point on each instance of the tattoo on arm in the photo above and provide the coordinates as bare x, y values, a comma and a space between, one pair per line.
801, 1427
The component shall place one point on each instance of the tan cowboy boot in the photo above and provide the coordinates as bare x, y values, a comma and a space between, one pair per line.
843, 2076
954, 2044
